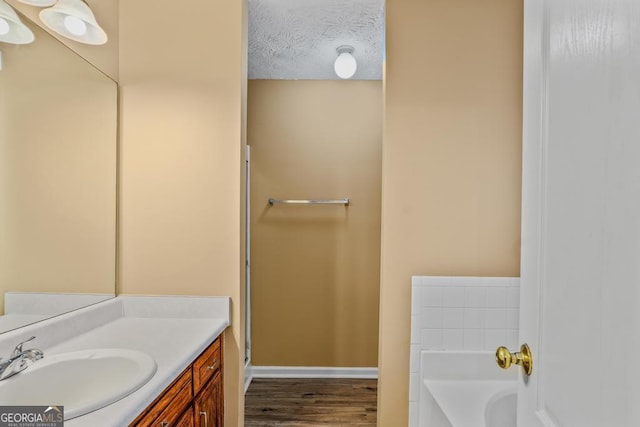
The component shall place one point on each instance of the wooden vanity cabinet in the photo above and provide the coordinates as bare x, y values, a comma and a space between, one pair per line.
195, 398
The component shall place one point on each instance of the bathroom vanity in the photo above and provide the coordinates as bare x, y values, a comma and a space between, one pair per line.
179, 342
195, 398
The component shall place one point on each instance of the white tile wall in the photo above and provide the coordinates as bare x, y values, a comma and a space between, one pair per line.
460, 313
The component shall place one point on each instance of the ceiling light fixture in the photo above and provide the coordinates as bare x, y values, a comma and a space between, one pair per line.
345, 65
74, 20
12, 30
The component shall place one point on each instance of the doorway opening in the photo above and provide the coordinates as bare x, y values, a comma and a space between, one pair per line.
316, 153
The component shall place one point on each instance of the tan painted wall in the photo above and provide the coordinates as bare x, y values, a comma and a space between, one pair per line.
58, 129
315, 269
451, 160
104, 57
181, 140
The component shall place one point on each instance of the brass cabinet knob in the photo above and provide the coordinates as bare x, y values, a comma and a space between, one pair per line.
505, 358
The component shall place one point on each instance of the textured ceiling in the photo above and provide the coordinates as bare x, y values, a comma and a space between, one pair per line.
297, 39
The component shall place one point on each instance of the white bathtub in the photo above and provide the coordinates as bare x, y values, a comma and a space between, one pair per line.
465, 389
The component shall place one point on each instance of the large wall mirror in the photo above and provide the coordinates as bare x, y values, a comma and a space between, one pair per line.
58, 147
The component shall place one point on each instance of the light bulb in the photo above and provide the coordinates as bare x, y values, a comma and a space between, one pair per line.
345, 65
76, 26
4, 27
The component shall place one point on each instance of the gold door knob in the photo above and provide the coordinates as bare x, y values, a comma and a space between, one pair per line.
505, 358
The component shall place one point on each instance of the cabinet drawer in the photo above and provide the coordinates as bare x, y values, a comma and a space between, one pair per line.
205, 366
166, 410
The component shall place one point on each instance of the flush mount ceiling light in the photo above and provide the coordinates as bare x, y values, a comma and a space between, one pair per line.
74, 20
12, 30
345, 64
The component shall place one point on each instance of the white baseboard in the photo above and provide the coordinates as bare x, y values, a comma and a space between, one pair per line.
312, 372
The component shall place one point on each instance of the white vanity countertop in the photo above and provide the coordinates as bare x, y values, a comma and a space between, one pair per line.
172, 330
173, 343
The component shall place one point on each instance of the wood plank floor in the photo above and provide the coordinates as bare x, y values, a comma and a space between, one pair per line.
311, 402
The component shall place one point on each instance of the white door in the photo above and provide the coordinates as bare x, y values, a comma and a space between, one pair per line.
580, 298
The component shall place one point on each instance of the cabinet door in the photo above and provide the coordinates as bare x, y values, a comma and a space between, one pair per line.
186, 420
218, 397
208, 405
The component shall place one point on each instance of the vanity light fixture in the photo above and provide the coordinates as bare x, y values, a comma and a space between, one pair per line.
74, 20
39, 3
345, 65
12, 30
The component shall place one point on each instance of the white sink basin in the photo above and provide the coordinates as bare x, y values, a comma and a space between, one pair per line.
81, 381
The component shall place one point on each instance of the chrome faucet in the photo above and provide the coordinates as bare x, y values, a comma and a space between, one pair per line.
19, 360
